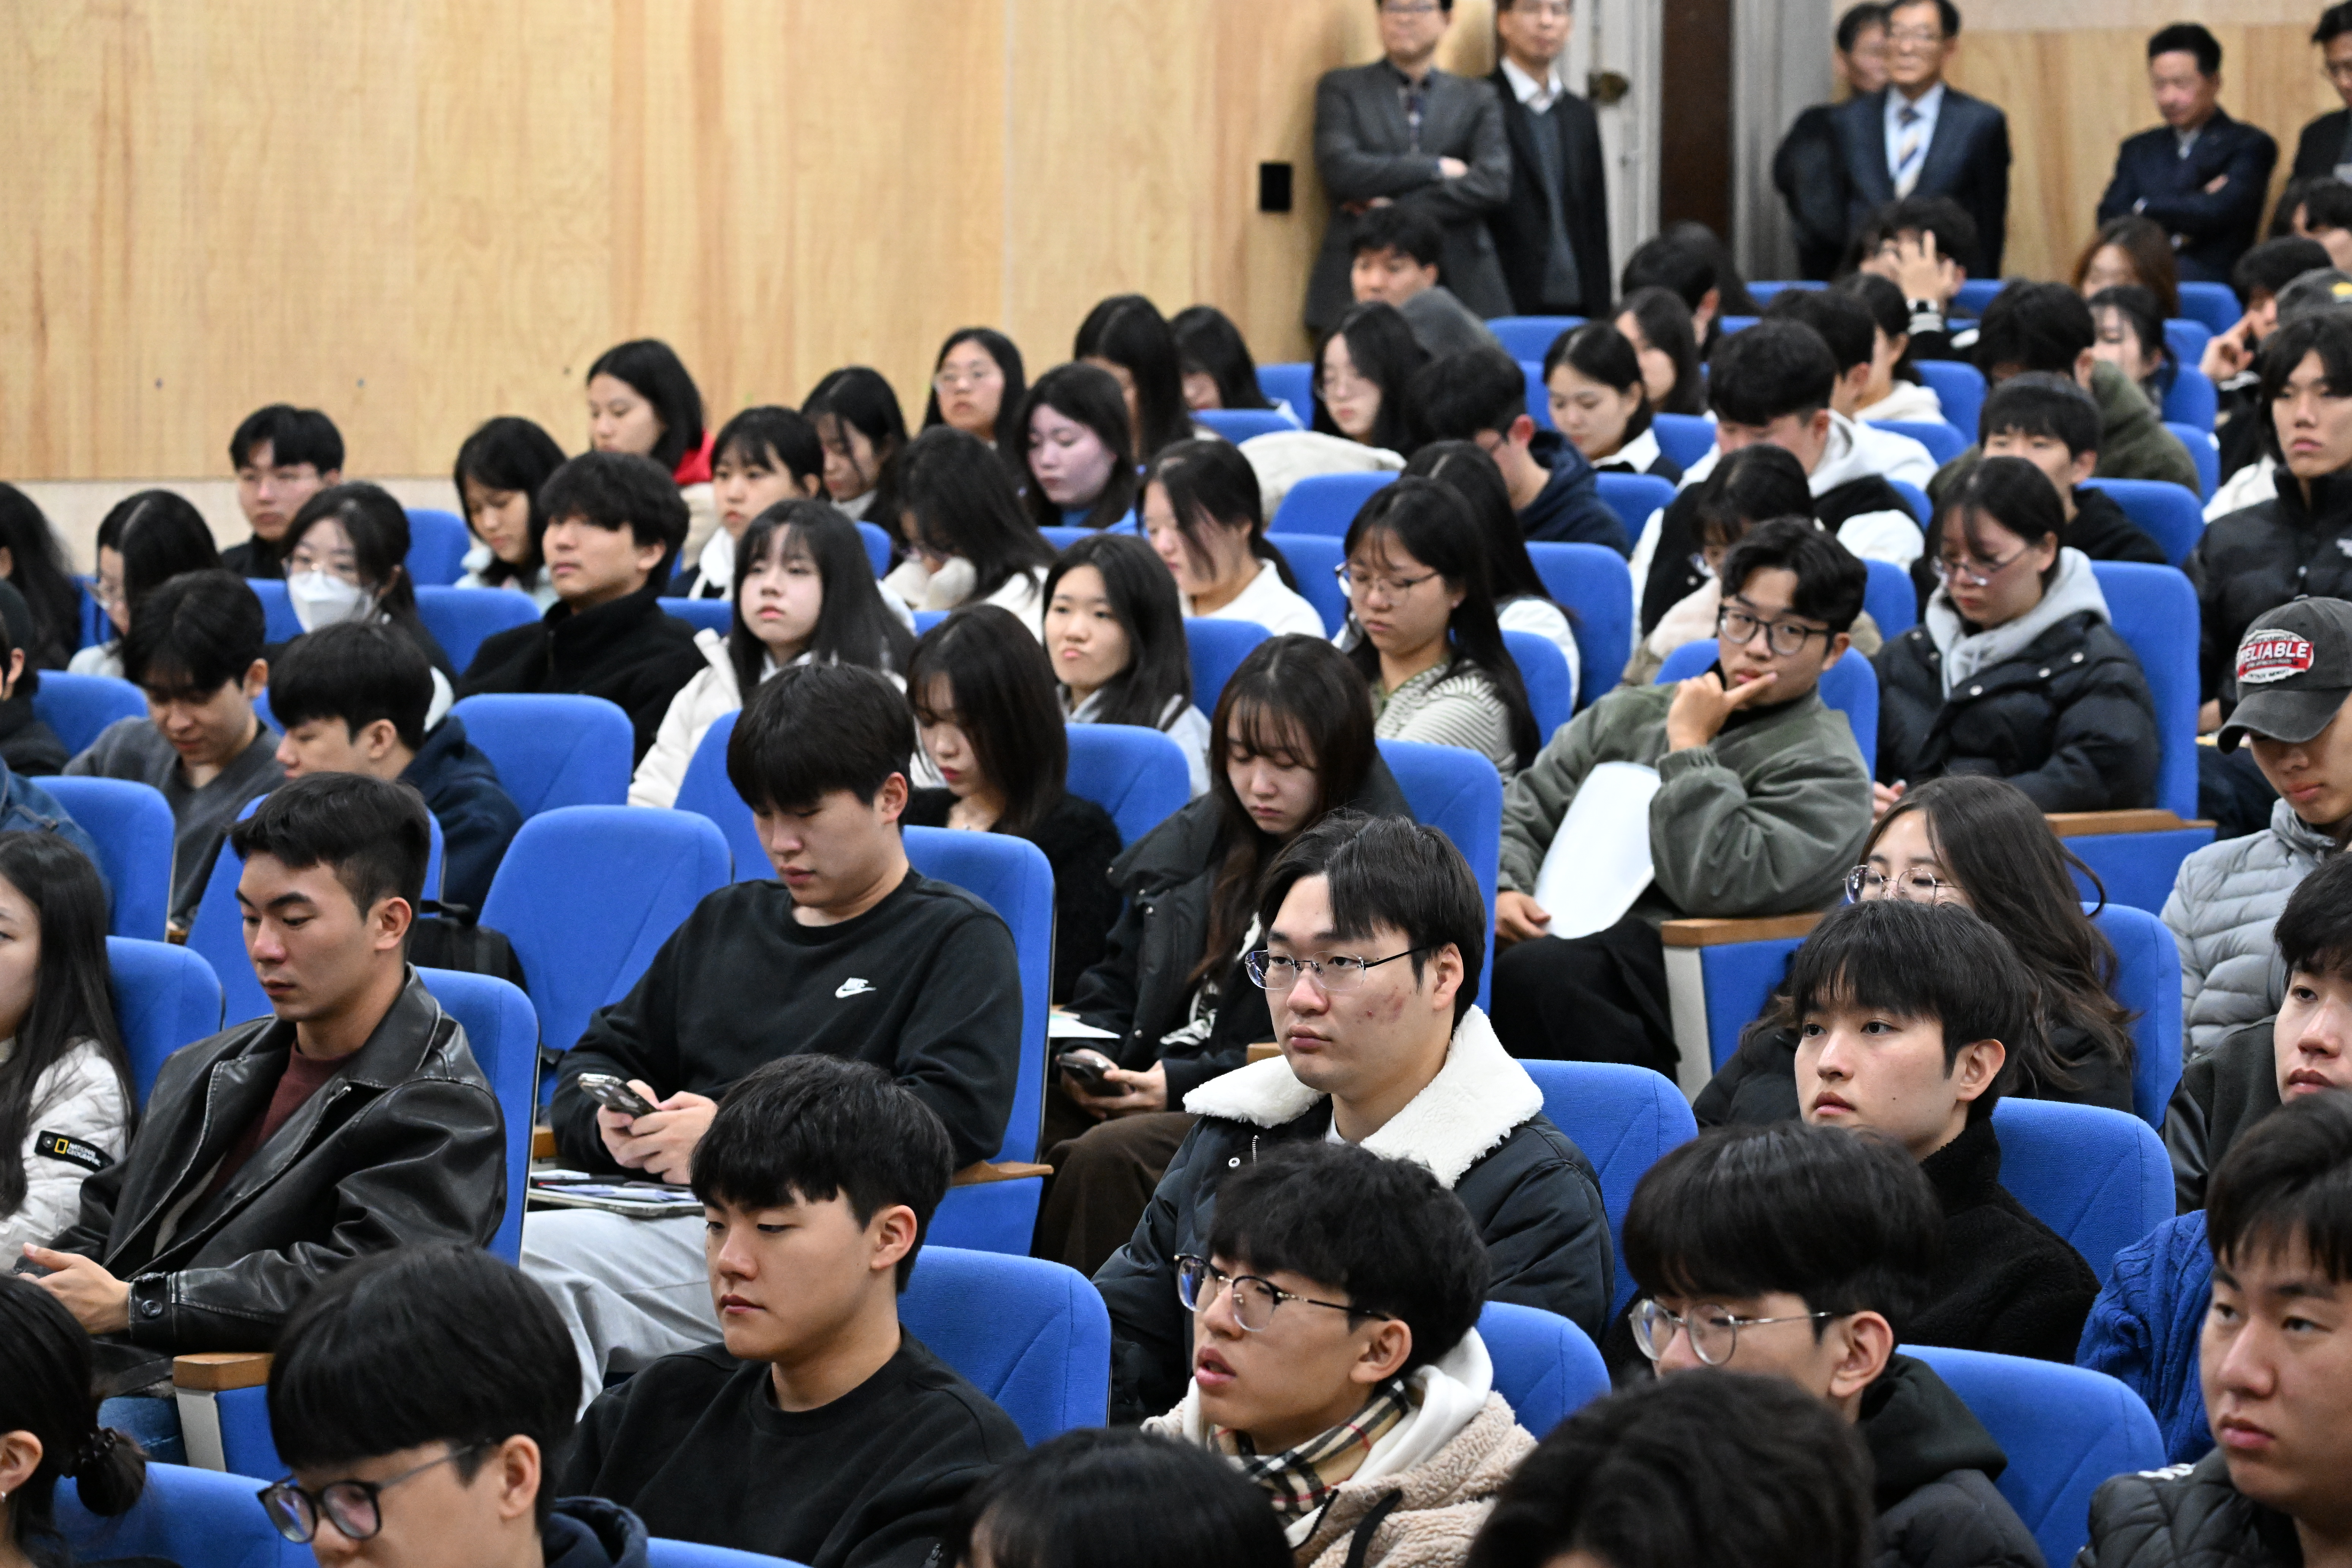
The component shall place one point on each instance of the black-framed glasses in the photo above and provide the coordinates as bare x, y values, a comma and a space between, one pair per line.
1787, 638
1713, 1331
1917, 886
1199, 1282
1394, 589
351, 1507
1340, 972
1975, 575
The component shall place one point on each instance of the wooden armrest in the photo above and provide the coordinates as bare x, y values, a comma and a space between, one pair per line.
1261, 1049
1720, 932
217, 1371
2087, 823
980, 1171
543, 1142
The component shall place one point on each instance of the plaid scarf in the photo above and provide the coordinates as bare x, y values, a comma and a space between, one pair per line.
1299, 1479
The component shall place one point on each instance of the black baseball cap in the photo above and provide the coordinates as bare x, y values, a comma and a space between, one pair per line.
2293, 672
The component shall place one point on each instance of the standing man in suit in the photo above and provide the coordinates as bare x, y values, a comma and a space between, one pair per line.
2326, 144
2201, 175
1922, 137
1552, 236
1809, 170
1400, 130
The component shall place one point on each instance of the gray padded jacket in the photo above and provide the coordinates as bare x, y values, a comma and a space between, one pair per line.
2221, 911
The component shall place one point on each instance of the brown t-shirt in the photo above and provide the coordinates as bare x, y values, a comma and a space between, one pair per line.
303, 1077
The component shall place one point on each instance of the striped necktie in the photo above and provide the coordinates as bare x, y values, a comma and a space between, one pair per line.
1909, 152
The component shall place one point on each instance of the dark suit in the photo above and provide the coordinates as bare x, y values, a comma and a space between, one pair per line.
1363, 149
2322, 147
1966, 160
2210, 231
1522, 225
1808, 170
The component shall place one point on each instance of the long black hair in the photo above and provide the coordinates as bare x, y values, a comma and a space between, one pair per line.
1089, 394
1469, 470
963, 504
1430, 522
1127, 331
857, 397
44, 1389
1144, 602
1208, 343
1386, 354
159, 534
515, 456
653, 370
377, 526
1598, 352
38, 568
1665, 323
999, 693
853, 626
1211, 485
1007, 355
71, 1002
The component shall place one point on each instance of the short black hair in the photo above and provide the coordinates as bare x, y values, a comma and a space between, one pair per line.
1857, 20
1774, 368
617, 491
1117, 1494
1921, 962
811, 1128
195, 633
372, 834
515, 456
1850, 1223
1844, 323
812, 729
357, 672
2046, 404
653, 370
2333, 22
770, 436
433, 1343
2188, 38
1406, 230
1830, 579
1664, 261
2326, 203
1755, 484
295, 436
1384, 870
1461, 394
1386, 1232
1947, 16
1882, 300
2276, 263
2288, 1179
2329, 335
2314, 931
2035, 326
1708, 1466
1954, 230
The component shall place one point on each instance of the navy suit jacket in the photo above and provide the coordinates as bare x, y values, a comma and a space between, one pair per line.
2210, 231
1967, 161
2322, 145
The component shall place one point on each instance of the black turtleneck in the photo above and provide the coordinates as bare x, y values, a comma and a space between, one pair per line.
2008, 1283
626, 650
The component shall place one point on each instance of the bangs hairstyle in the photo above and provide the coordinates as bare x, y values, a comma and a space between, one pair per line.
514, 457
961, 503
1829, 580
296, 437
194, 635
1430, 523
857, 397
435, 1343
38, 568
1007, 357
2136, 309
1598, 352
2314, 931
1208, 343
377, 527
159, 534
1000, 691
1755, 484
617, 491
2008, 491
1850, 1223
2329, 337
1666, 326
353, 673
1129, 331
1468, 470
652, 370
1384, 871
2040, 404
769, 436
2287, 1180
1210, 484
1157, 682
1090, 395
810, 1129
1772, 370
370, 832
2143, 240
1382, 1231
1921, 964
852, 625
813, 729
72, 1001
1386, 354
1117, 1494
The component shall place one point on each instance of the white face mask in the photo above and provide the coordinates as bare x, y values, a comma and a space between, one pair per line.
320, 600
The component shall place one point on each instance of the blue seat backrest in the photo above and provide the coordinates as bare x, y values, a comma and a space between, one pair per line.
1034, 1336
2136, 870
1545, 1368
2215, 304
2192, 399
1457, 792
1943, 441
279, 621
664, 1552
1326, 503
702, 615
1736, 979
1850, 686
437, 543
587, 894
1140, 776
2148, 981
1543, 669
2204, 454
1010, 875
1293, 382
1738, 323
462, 620
2187, 339
1975, 295
1062, 538
926, 619
1891, 598
164, 998
878, 547
1762, 293
1315, 559
1633, 497
1532, 337
554, 750
1239, 425
131, 825
1592, 582
503, 1032
706, 792
1959, 387
1685, 438
2097, 1177
79, 707
1623, 1118
2163, 510
1538, 395
2065, 1429
201, 1518
1915, 498
2153, 610
1217, 648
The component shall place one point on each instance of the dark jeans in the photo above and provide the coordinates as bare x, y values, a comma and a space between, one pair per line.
1103, 1175
1597, 998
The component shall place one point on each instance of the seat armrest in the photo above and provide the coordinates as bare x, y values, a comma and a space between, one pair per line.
2086, 824
980, 1171
217, 1371
1720, 932
543, 1142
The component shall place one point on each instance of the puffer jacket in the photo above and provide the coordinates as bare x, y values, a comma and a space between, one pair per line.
2224, 901
2186, 1517
78, 1123
2144, 1330
2221, 1093
701, 702
1936, 1465
2258, 559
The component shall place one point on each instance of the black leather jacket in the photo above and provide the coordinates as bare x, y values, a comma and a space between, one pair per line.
406, 1145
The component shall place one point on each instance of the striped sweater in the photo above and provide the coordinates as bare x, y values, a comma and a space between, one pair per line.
1449, 704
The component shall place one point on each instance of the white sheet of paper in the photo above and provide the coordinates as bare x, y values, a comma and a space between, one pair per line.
1599, 862
1066, 1026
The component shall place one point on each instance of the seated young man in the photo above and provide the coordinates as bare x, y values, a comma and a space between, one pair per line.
354, 1120
1796, 1252
195, 651
819, 1430
1851, 332
1398, 249
849, 952
1374, 937
1481, 395
1762, 806
1374, 1384
1926, 246
422, 1399
1903, 1011
2264, 279
2273, 1363
283, 456
2051, 422
352, 698
615, 525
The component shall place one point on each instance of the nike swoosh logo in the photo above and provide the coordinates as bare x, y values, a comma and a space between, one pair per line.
852, 988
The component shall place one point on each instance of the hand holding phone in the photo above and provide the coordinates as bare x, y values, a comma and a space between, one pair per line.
1087, 1066
614, 1094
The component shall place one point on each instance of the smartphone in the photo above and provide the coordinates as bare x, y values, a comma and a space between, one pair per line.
614, 1094
1088, 1067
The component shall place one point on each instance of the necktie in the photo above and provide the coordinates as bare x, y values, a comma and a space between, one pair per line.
1909, 151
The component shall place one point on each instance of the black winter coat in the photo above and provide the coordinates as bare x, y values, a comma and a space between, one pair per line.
2186, 1517
1936, 1467
1079, 841
2068, 719
2221, 1093
628, 650
2008, 1283
2256, 560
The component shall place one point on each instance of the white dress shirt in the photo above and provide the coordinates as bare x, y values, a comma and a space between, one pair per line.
1538, 96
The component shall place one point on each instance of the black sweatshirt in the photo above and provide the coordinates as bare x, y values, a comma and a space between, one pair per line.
696, 1446
924, 984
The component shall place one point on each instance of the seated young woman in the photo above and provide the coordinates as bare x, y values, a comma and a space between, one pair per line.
859, 422
967, 541
763, 456
1128, 337
1602, 404
1080, 454
66, 1104
1979, 843
1292, 742
500, 471
1658, 324
977, 384
1115, 635
991, 724
642, 400
1219, 372
1362, 372
2015, 670
2131, 252
345, 554
144, 542
1521, 602
36, 567
2131, 338
1421, 627
1206, 518
804, 594
1895, 390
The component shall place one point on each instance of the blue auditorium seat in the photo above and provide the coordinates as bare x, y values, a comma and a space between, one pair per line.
2214, 304
2203, 453
1545, 1368
1944, 442
437, 543
2164, 510
1633, 497
131, 825
702, 615
1457, 792
554, 750
1959, 387
1592, 582
1314, 560
462, 620
1217, 648
2192, 399
1326, 503
1032, 1335
1624, 1118
197, 1519
164, 998
1891, 599
1239, 425
1140, 776
279, 621
878, 547
2097, 1177
1685, 438
503, 1033
79, 707
1532, 337
1293, 383
1543, 669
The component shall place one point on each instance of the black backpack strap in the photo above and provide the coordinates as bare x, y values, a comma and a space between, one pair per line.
1361, 1545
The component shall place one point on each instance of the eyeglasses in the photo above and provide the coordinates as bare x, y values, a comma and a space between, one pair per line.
1199, 1282
1421, 9
1920, 887
949, 380
1923, 37
1975, 575
351, 1507
1340, 972
1713, 1332
1786, 638
1393, 589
